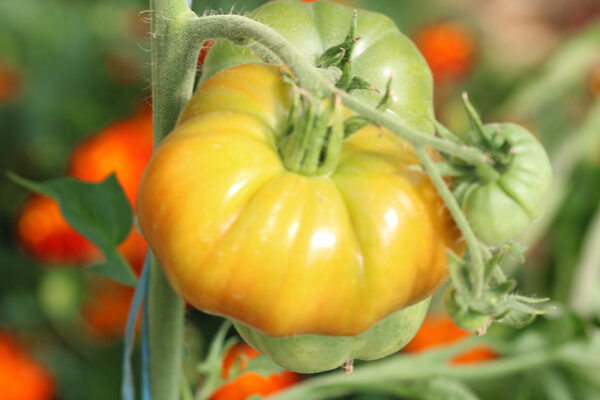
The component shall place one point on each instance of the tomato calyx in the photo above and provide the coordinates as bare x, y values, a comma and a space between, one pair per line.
316, 127
312, 141
497, 302
337, 59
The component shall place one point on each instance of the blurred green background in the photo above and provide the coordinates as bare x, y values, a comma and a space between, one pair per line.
70, 68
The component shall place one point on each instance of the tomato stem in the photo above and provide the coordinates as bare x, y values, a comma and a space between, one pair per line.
336, 139
459, 218
316, 143
409, 375
312, 147
174, 57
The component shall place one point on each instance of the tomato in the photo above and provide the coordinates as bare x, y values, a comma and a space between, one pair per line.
240, 236
438, 330
383, 51
502, 206
250, 383
22, 377
316, 353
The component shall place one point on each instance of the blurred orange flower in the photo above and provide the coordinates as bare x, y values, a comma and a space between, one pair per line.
250, 383
594, 80
21, 377
10, 82
439, 330
107, 308
45, 234
448, 48
124, 148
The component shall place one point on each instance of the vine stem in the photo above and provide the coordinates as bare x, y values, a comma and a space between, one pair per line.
398, 375
236, 28
459, 218
173, 55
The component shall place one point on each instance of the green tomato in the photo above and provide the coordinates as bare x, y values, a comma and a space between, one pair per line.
501, 208
316, 353
381, 52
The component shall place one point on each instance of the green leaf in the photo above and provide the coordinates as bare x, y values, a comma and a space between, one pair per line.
98, 211
212, 364
215, 351
115, 267
503, 288
359, 83
354, 124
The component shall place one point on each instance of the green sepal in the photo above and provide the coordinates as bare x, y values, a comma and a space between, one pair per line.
503, 288
98, 211
517, 318
359, 83
354, 124
478, 135
459, 273
446, 133
388, 95
263, 366
517, 250
218, 346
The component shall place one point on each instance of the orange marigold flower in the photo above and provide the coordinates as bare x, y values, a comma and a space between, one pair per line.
123, 148
448, 48
439, 330
107, 308
11, 82
21, 377
45, 234
250, 383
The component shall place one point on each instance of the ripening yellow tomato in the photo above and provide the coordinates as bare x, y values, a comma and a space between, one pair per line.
238, 235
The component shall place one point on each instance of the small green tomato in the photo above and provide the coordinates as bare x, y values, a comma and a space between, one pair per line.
501, 207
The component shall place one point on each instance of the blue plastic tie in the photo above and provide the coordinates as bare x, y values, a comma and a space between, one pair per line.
128, 385
146, 345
